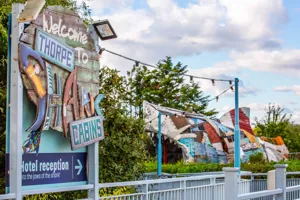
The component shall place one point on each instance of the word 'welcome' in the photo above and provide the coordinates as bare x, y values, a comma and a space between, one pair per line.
61, 30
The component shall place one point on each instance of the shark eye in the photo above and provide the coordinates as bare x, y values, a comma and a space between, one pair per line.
37, 68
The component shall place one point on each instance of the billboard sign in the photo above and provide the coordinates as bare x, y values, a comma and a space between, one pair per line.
59, 68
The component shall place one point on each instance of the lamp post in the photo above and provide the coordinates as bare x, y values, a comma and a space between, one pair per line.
237, 135
103, 30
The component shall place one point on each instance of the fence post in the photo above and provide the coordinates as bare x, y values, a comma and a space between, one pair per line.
184, 186
213, 183
146, 191
252, 183
280, 180
231, 183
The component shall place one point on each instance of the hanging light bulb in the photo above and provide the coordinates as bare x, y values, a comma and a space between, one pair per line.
213, 82
183, 114
137, 63
191, 78
230, 85
217, 98
101, 51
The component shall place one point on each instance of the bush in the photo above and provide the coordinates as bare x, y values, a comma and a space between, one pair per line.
256, 167
257, 158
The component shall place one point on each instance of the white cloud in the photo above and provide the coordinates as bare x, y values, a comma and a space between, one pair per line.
281, 61
293, 102
165, 29
217, 72
294, 88
257, 106
296, 118
106, 5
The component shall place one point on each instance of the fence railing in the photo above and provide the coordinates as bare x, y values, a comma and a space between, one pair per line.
206, 187
284, 189
220, 186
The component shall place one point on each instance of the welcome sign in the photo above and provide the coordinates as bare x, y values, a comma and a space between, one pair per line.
59, 67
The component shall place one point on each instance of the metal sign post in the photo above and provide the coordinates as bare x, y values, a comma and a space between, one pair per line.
237, 135
16, 108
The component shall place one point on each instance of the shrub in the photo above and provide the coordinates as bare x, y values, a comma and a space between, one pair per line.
257, 158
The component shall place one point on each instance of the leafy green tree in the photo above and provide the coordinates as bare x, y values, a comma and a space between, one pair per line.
123, 151
166, 86
275, 123
292, 139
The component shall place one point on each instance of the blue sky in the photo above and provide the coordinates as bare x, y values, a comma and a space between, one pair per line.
256, 41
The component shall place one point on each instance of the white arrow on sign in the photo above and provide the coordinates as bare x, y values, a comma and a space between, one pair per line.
79, 167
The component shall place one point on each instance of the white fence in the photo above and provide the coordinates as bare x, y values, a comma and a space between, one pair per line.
209, 187
226, 186
282, 191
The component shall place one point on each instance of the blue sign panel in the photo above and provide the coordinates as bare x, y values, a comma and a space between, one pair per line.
47, 159
52, 168
54, 51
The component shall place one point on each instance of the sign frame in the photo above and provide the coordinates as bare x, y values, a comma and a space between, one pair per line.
15, 125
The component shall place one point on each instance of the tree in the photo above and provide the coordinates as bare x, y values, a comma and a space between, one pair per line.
277, 123
123, 151
274, 123
166, 86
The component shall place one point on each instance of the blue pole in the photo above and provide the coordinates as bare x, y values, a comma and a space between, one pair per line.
237, 136
159, 148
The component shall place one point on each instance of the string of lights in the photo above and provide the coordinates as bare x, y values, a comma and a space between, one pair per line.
217, 97
137, 62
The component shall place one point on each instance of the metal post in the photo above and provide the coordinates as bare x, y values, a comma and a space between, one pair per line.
280, 180
16, 109
8, 94
93, 170
146, 191
159, 149
93, 149
184, 190
213, 183
252, 183
237, 136
231, 183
